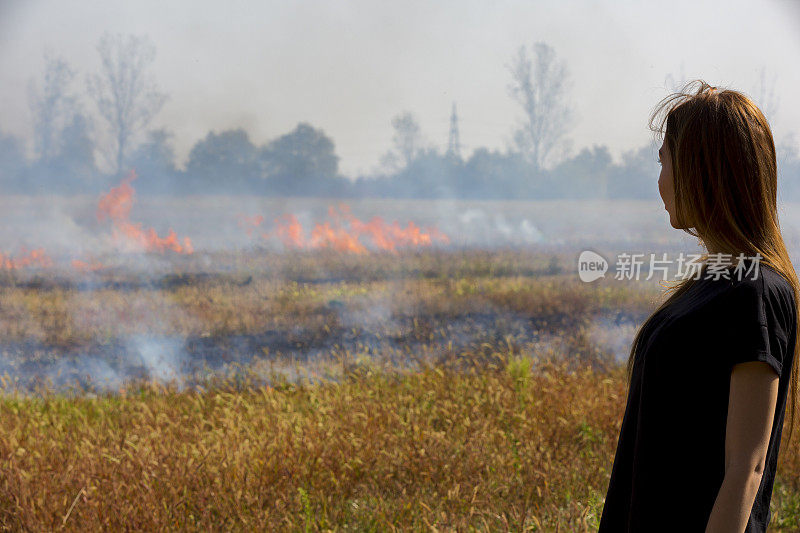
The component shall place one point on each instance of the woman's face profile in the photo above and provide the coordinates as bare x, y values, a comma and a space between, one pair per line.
665, 187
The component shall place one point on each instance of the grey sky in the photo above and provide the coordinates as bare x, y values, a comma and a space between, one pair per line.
350, 66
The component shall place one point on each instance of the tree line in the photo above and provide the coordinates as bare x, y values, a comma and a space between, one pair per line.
83, 144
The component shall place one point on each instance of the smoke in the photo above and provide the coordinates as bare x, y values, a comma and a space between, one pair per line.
496, 228
524, 230
530, 232
86, 372
163, 358
612, 335
115, 346
67, 228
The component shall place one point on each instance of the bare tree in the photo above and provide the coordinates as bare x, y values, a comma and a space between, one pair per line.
763, 92
53, 106
126, 96
407, 140
539, 86
675, 83
765, 96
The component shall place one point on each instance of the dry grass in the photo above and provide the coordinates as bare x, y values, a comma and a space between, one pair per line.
61, 311
500, 434
511, 443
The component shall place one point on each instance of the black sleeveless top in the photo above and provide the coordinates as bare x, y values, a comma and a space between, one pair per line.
670, 458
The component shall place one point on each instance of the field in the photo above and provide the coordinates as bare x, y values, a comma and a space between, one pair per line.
431, 390
69, 224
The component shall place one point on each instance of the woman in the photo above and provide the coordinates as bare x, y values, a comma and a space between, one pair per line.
710, 372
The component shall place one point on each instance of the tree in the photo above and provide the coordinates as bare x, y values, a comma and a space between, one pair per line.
62, 133
12, 163
154, 161
539, 87
301, 161
126, 96
585, 175
72, 167
53, 106
223, 162
407, 141
428, 175
765, 97
637, 175
788, 157
492, 174
675, 83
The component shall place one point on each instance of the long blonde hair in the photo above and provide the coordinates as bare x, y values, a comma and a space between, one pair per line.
725, 182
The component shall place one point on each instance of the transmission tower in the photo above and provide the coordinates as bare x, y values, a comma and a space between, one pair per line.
454, 144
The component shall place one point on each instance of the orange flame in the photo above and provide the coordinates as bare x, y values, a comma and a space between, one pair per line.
290, 233
87, 266
116, 206
249, 224
333, 234
33, 258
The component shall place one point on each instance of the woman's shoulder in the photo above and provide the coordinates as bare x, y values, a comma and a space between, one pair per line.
768, 292
776, 283
758, 286
768, 283
757, 278
778, 293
